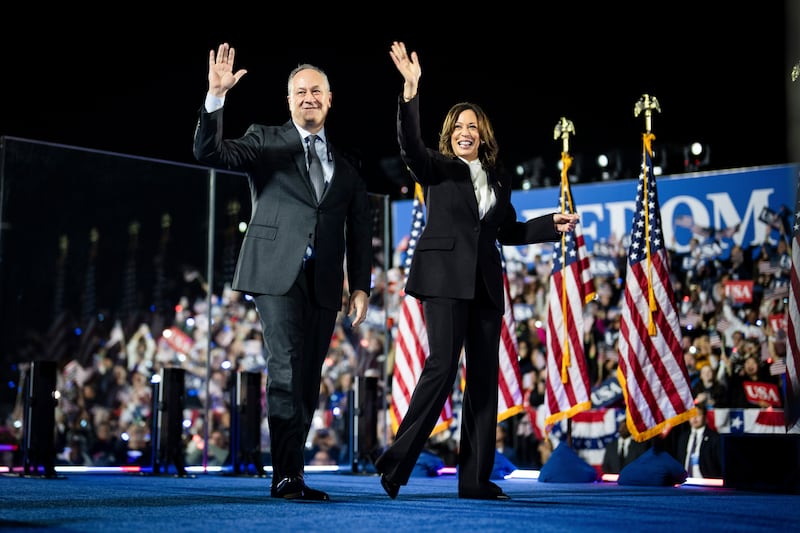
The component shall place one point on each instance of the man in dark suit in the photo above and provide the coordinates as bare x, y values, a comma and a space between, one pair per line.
457, 272
698, 447
292, 257
622, 450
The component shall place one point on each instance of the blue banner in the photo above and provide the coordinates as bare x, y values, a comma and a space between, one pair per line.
720, 208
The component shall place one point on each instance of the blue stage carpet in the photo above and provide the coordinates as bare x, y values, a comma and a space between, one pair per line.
221, 502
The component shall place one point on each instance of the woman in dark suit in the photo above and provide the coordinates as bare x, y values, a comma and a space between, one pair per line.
622, 451
292, 256
457, 272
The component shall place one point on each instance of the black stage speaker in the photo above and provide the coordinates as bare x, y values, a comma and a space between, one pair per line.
368, 414
169, 440
761, 462
38, 437
246, 422
365, 437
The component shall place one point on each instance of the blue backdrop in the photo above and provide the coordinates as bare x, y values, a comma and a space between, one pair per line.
731, 206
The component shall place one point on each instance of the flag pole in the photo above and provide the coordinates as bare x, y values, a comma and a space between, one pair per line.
648, 104
563, 130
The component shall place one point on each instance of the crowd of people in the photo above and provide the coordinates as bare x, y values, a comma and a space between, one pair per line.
104, 416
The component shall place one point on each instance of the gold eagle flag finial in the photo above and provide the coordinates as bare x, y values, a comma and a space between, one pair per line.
563, 130
647, 103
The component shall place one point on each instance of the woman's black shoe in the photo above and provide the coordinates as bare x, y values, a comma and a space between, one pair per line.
391, 488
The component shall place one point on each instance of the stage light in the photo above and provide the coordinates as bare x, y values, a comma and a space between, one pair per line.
609, 165
529, 173
696, 156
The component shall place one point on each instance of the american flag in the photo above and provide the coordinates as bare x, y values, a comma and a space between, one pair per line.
775, 291
510, 400
768, 267
411, 348
651, 372
792, 406
567, 389
714, 339
691, 319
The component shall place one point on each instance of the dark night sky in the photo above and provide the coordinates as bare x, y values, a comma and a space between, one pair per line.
132, 82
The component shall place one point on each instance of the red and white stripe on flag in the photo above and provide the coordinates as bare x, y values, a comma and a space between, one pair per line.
652, 371
411, 348
410, 353
792, 406
567, 390
510, 400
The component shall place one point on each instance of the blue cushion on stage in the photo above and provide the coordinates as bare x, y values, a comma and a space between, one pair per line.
653, 468
502, 466
566, 466
428, 465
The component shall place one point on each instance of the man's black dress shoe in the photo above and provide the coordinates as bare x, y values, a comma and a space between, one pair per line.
294, 488
391, 488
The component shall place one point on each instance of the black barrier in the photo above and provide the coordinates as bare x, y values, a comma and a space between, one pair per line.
365, 444
246, 423
761, 462
38, 449
168, 440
